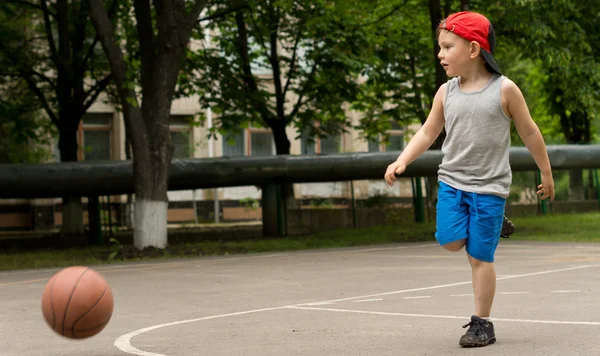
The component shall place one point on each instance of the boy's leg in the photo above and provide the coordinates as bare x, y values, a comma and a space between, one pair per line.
484, 286
452, 218
485, 225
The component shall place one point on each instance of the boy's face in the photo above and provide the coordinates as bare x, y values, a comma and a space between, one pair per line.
455, 53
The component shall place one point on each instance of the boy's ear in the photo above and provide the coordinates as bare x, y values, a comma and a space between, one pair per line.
475, 49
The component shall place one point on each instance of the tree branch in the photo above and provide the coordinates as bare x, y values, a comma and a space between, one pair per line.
118, 66
224, 13
49, 37
90, 51
31, 83
274, 59
93, 93
143, 16
250, 84
292, 64
32, 5
396, 8
43, 78
299, 102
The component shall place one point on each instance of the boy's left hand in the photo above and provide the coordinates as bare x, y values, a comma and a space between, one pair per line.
546, 189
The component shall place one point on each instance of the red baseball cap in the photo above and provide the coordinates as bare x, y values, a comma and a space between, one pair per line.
474, 27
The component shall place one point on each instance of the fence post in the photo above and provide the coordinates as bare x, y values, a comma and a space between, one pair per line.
543, 203
597, 185
272, 210
354, 224
418, 200
94, 220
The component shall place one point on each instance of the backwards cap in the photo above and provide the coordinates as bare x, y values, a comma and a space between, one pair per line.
474, 27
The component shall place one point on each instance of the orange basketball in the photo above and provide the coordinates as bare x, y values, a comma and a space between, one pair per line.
77, 302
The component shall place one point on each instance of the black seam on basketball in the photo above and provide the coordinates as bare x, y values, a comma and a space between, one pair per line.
92, 328
52, 303
86, 313
71, 297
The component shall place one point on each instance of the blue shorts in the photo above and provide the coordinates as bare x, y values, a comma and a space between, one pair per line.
475, 217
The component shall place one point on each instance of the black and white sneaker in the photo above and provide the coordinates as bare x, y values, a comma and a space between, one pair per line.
508, 228
480, 333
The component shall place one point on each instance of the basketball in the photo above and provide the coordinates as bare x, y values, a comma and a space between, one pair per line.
77, 302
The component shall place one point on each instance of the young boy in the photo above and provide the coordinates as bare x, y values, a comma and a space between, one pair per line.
476, 107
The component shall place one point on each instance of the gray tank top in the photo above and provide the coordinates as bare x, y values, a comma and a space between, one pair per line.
477, 144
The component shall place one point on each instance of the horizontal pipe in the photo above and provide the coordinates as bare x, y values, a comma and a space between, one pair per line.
116, 177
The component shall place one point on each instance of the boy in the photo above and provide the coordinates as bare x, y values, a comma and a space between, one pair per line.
476, 107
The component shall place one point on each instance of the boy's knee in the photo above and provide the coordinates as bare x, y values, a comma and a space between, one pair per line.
455, 246
476, 263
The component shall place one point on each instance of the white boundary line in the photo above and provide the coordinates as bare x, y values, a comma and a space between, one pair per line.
595, 323
123, 342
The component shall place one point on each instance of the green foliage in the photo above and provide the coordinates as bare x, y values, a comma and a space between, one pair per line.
322, 203
560, 37
294, 61
400, 76
52, 71
558, 227
250, 203
378, 200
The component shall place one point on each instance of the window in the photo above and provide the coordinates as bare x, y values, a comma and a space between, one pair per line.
316, 145
94, 136
396, 141
252, 142
233, 144
261, 143
180, 130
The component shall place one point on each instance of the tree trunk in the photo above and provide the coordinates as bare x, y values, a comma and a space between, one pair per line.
148, 126
72, 209
435, 16
282, 147
151, 167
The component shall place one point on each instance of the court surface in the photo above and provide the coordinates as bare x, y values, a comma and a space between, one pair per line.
405, 299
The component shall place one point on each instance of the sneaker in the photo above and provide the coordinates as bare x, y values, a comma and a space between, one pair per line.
480, 333
508, 228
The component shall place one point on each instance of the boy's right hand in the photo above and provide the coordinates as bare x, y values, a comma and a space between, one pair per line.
394, 169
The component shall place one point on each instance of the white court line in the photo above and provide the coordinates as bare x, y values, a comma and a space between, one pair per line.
418, 297
123, 342
565, 291
375, 249
321, 303
366, 300
595, 323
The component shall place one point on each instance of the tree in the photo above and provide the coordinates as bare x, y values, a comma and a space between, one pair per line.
50, 47
25, 133
164, 30
280, 64
561, 36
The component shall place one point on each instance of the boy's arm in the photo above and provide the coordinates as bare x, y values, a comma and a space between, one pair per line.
530, 134
422, 140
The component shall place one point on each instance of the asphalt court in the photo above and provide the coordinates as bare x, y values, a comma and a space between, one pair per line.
404, 299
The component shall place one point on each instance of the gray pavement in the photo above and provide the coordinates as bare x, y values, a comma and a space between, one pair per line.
405, 299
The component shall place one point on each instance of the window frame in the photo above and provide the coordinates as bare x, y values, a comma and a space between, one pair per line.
82, 127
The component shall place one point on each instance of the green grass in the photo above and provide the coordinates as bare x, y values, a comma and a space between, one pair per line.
575, 227
557, 228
